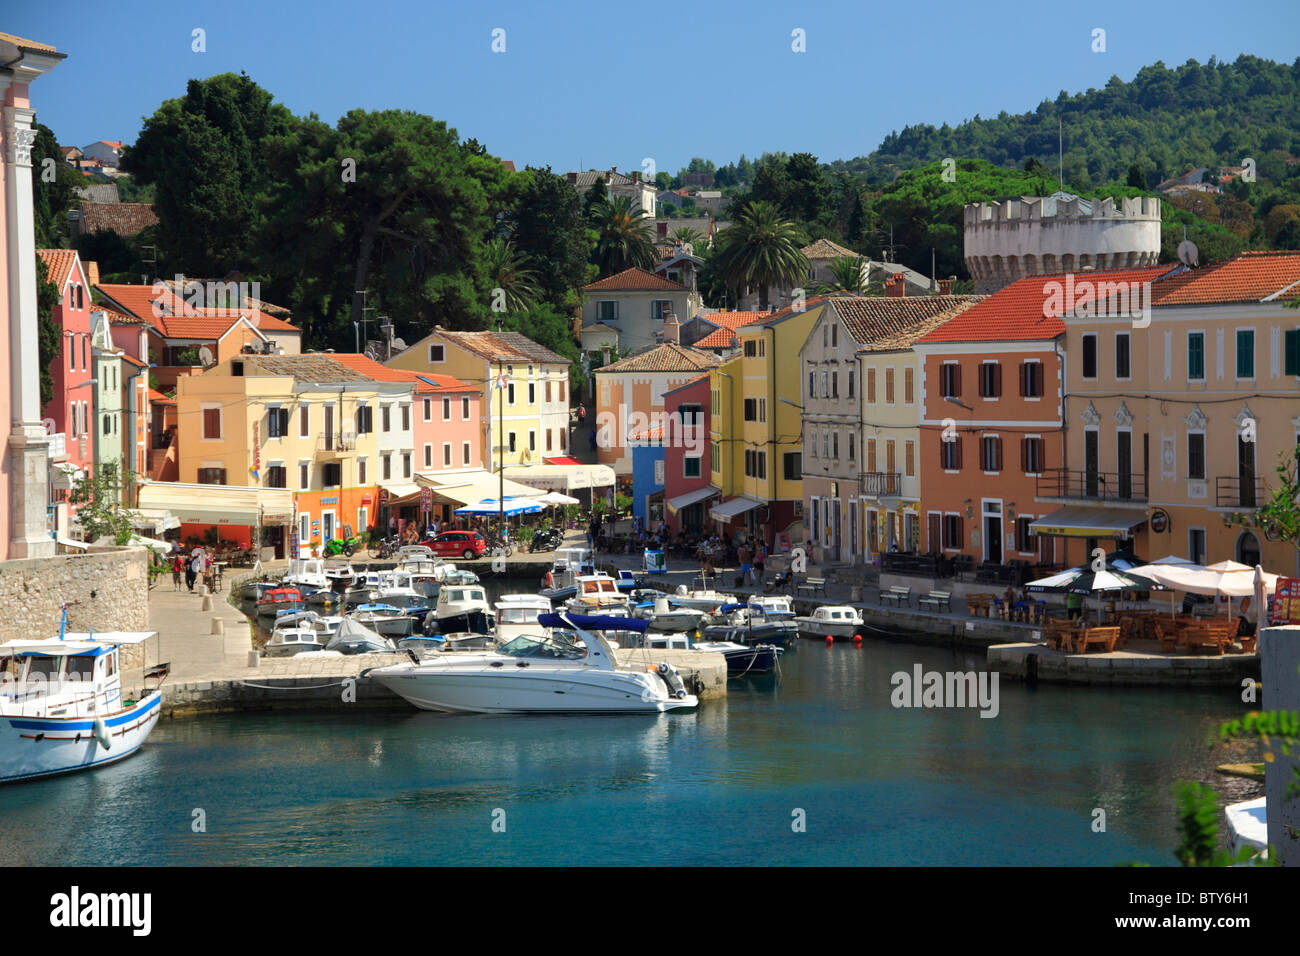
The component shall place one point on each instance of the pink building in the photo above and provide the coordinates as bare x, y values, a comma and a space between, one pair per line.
686, 482
24, 458
72, 409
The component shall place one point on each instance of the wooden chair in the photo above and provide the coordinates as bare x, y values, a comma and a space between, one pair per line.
1126, 626
1167, 634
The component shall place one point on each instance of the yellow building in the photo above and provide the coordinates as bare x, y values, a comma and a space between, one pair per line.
756, 427
302, 423
524, 389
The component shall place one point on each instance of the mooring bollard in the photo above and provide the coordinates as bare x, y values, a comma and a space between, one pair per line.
254, 659
218, 626
207, 603
855, 594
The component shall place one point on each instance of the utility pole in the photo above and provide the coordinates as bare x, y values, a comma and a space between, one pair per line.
501, 452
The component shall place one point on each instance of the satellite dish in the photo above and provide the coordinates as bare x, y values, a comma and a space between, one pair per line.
1187, 253
205, 357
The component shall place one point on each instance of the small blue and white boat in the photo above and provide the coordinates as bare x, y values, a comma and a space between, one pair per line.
61, 704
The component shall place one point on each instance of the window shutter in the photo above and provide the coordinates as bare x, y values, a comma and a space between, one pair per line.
961, 532
997, 452
1292, 352
997, 380
1024, 455
1024, 379
956, 445
956, 381
1038, 378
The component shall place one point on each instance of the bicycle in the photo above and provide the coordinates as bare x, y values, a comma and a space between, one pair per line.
387, 547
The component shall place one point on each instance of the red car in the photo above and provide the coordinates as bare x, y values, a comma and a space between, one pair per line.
457, 544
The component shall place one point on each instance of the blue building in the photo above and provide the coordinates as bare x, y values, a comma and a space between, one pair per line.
647, 477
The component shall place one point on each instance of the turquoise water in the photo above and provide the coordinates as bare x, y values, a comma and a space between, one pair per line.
877, 785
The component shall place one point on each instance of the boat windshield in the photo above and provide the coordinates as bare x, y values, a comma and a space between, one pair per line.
517, 615
534, 645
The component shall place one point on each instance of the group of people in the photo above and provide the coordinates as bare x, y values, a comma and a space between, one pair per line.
196, 564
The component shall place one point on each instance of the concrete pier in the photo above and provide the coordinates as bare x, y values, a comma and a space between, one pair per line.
1128, 667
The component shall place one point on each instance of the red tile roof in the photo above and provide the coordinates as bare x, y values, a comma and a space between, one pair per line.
59, 263
688, 383
634, 280
423, 383
173, 317
1020, 311
133, 360
159, 398
663, 358
1248, 277
725, 335
123, 218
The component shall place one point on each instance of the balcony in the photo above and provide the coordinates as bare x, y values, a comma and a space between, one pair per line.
336, 446
1092, 485
876, 484
1233, 491
58, 450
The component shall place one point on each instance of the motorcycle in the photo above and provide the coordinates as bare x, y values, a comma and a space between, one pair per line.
346, 544
548, 539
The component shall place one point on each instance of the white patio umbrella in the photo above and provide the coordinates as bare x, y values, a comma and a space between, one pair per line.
1261, 600
557, 498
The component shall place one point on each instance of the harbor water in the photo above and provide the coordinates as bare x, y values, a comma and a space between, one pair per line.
814, 768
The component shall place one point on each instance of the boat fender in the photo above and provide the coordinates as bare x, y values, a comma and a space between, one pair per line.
101, 734
550, 579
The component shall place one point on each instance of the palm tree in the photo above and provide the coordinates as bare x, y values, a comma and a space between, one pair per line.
508, 271
623, 237
686, 235
846, 276
762, 249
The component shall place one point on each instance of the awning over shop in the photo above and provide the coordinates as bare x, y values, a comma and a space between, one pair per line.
470, 486
566, 478
1079, 522
154, 520
736, 506
691, 497
400, 491
218, 504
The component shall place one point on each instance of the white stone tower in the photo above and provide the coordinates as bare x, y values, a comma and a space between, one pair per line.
1040, 235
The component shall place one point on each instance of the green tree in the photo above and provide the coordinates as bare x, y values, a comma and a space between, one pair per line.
98, 502
54, 186
761, 249
623, 237
1135, 177
545, 221
508, 272
846, 276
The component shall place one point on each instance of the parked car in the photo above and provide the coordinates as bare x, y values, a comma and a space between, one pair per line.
458, 544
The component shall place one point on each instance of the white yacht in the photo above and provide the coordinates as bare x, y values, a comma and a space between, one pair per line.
536, 673
835, 620
62, 706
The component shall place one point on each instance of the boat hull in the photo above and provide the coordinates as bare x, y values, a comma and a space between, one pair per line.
817, 630
497, 693
33, 747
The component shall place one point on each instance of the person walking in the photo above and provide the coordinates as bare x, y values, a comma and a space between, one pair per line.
178, 567
194, 568
760, 560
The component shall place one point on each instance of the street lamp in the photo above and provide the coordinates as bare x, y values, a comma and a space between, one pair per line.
958, 402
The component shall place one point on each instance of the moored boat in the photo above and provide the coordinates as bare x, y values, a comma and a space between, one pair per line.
279, 599
833, 620
353, 637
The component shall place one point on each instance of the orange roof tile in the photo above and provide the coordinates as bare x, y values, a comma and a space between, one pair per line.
59, 263
634, 280
424, 383
158, 397
1020, 310
1248, 277
725, 335
172, 316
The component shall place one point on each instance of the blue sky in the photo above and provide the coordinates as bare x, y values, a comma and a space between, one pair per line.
602, 84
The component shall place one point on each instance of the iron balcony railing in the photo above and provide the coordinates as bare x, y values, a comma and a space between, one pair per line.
1233, 491
1092, 485
878, 483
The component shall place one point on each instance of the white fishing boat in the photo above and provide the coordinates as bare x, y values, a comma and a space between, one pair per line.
388, 620
340, 574
306, 574
537, 673
703, 599
834, 620
666, 617
460, 601
61, 704
294, 639
353, 637
596, 594
568, 564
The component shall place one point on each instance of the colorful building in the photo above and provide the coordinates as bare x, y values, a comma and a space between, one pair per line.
686, 469
861, 418
1177, 418
630, 396
523, 389
755, 428
991, 392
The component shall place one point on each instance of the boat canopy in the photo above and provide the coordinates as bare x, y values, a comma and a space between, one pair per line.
74, 644
594, 622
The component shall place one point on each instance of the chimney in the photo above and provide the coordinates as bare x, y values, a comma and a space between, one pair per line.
945, 286
672, 329
573, 179
896, 286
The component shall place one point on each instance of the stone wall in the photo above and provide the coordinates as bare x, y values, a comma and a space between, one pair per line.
106, 590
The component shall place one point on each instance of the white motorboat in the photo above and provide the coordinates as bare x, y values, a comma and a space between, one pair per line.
306, 574
703, 599
536, 673
568, 564
294, 639
339, 574
388, 620
1248, 826
835, 620
353, 637
61, 704
460, 601
665, 617
596, 594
